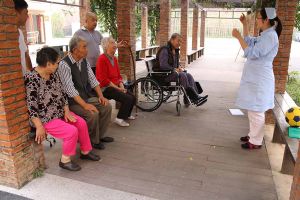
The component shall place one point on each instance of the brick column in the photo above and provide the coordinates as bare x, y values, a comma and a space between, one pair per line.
19, 156
144, 28
86, 7
202, 32
195, 28
184, 31
126, 32
286, 11
164, 21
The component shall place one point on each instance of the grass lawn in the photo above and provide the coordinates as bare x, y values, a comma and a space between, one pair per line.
293, 86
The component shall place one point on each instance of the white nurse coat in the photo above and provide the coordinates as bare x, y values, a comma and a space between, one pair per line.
256, 92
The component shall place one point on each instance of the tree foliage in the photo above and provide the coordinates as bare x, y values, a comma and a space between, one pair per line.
297, 24
106, 12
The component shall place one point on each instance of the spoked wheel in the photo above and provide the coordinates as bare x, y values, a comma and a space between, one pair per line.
149, 94
178, 107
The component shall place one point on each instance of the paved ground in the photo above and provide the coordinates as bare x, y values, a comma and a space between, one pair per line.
10, 196
194, 156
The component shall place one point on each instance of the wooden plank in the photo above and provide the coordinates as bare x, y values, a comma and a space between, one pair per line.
293, 145
282, 103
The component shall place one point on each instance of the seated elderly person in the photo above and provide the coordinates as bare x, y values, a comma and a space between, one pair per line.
168, 60
83, 90
108, 74
49, 111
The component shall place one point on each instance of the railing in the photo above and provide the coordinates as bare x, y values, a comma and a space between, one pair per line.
217, 32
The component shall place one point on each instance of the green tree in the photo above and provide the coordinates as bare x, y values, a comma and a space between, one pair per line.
297, 24
57, 25
106, 12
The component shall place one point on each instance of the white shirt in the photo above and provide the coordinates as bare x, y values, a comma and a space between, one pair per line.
23, 50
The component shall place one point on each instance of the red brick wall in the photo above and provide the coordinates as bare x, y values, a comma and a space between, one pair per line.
17, 153
164, 22
86, 7
184, 31
144, 27
126, 32
195, 28
286, 12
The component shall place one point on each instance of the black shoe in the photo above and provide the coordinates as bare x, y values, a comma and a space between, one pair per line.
99, 146
204, 97
250, 146
193, 95
245, 139
71, 166
90, 156
107, 139
200, 102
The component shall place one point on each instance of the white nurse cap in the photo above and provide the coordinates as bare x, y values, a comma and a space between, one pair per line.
271, 13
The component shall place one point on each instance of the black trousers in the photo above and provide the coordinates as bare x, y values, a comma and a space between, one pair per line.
94, 70
127, 101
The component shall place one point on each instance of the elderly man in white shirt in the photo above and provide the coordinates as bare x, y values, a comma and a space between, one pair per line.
21, 8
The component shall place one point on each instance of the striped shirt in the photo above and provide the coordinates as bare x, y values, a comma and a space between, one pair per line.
64, 72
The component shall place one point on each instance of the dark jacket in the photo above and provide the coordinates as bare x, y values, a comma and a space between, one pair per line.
166, 60
80, 80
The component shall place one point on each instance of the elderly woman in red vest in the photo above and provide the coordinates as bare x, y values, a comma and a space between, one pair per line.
108, 74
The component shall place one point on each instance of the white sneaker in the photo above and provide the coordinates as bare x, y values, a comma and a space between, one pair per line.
121, 122
131, 117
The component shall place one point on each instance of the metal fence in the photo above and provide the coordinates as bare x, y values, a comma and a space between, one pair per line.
218, 24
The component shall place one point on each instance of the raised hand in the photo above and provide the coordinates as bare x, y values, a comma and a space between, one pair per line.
243, 19
236, 33
122, 44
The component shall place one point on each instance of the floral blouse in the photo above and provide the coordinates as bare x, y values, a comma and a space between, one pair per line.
45, 98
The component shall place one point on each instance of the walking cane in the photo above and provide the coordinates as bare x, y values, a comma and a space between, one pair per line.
134, 74
237, 54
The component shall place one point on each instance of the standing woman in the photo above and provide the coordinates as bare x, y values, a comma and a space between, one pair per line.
256, 92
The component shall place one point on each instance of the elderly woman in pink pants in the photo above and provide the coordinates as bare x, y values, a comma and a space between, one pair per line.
49, 111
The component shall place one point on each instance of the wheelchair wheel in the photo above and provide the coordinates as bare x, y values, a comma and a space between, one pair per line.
178, 107
149, 94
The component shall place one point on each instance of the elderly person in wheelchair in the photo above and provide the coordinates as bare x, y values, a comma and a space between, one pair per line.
167, 59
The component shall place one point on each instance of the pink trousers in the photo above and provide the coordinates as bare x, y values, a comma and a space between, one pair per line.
70, 133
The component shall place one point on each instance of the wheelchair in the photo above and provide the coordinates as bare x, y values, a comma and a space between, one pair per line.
151, 91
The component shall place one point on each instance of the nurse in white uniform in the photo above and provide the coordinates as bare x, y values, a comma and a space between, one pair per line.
256, 92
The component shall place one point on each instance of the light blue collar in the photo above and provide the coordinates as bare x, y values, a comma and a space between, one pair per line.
272, 28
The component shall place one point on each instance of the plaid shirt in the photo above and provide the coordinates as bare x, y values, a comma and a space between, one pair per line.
64, 72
